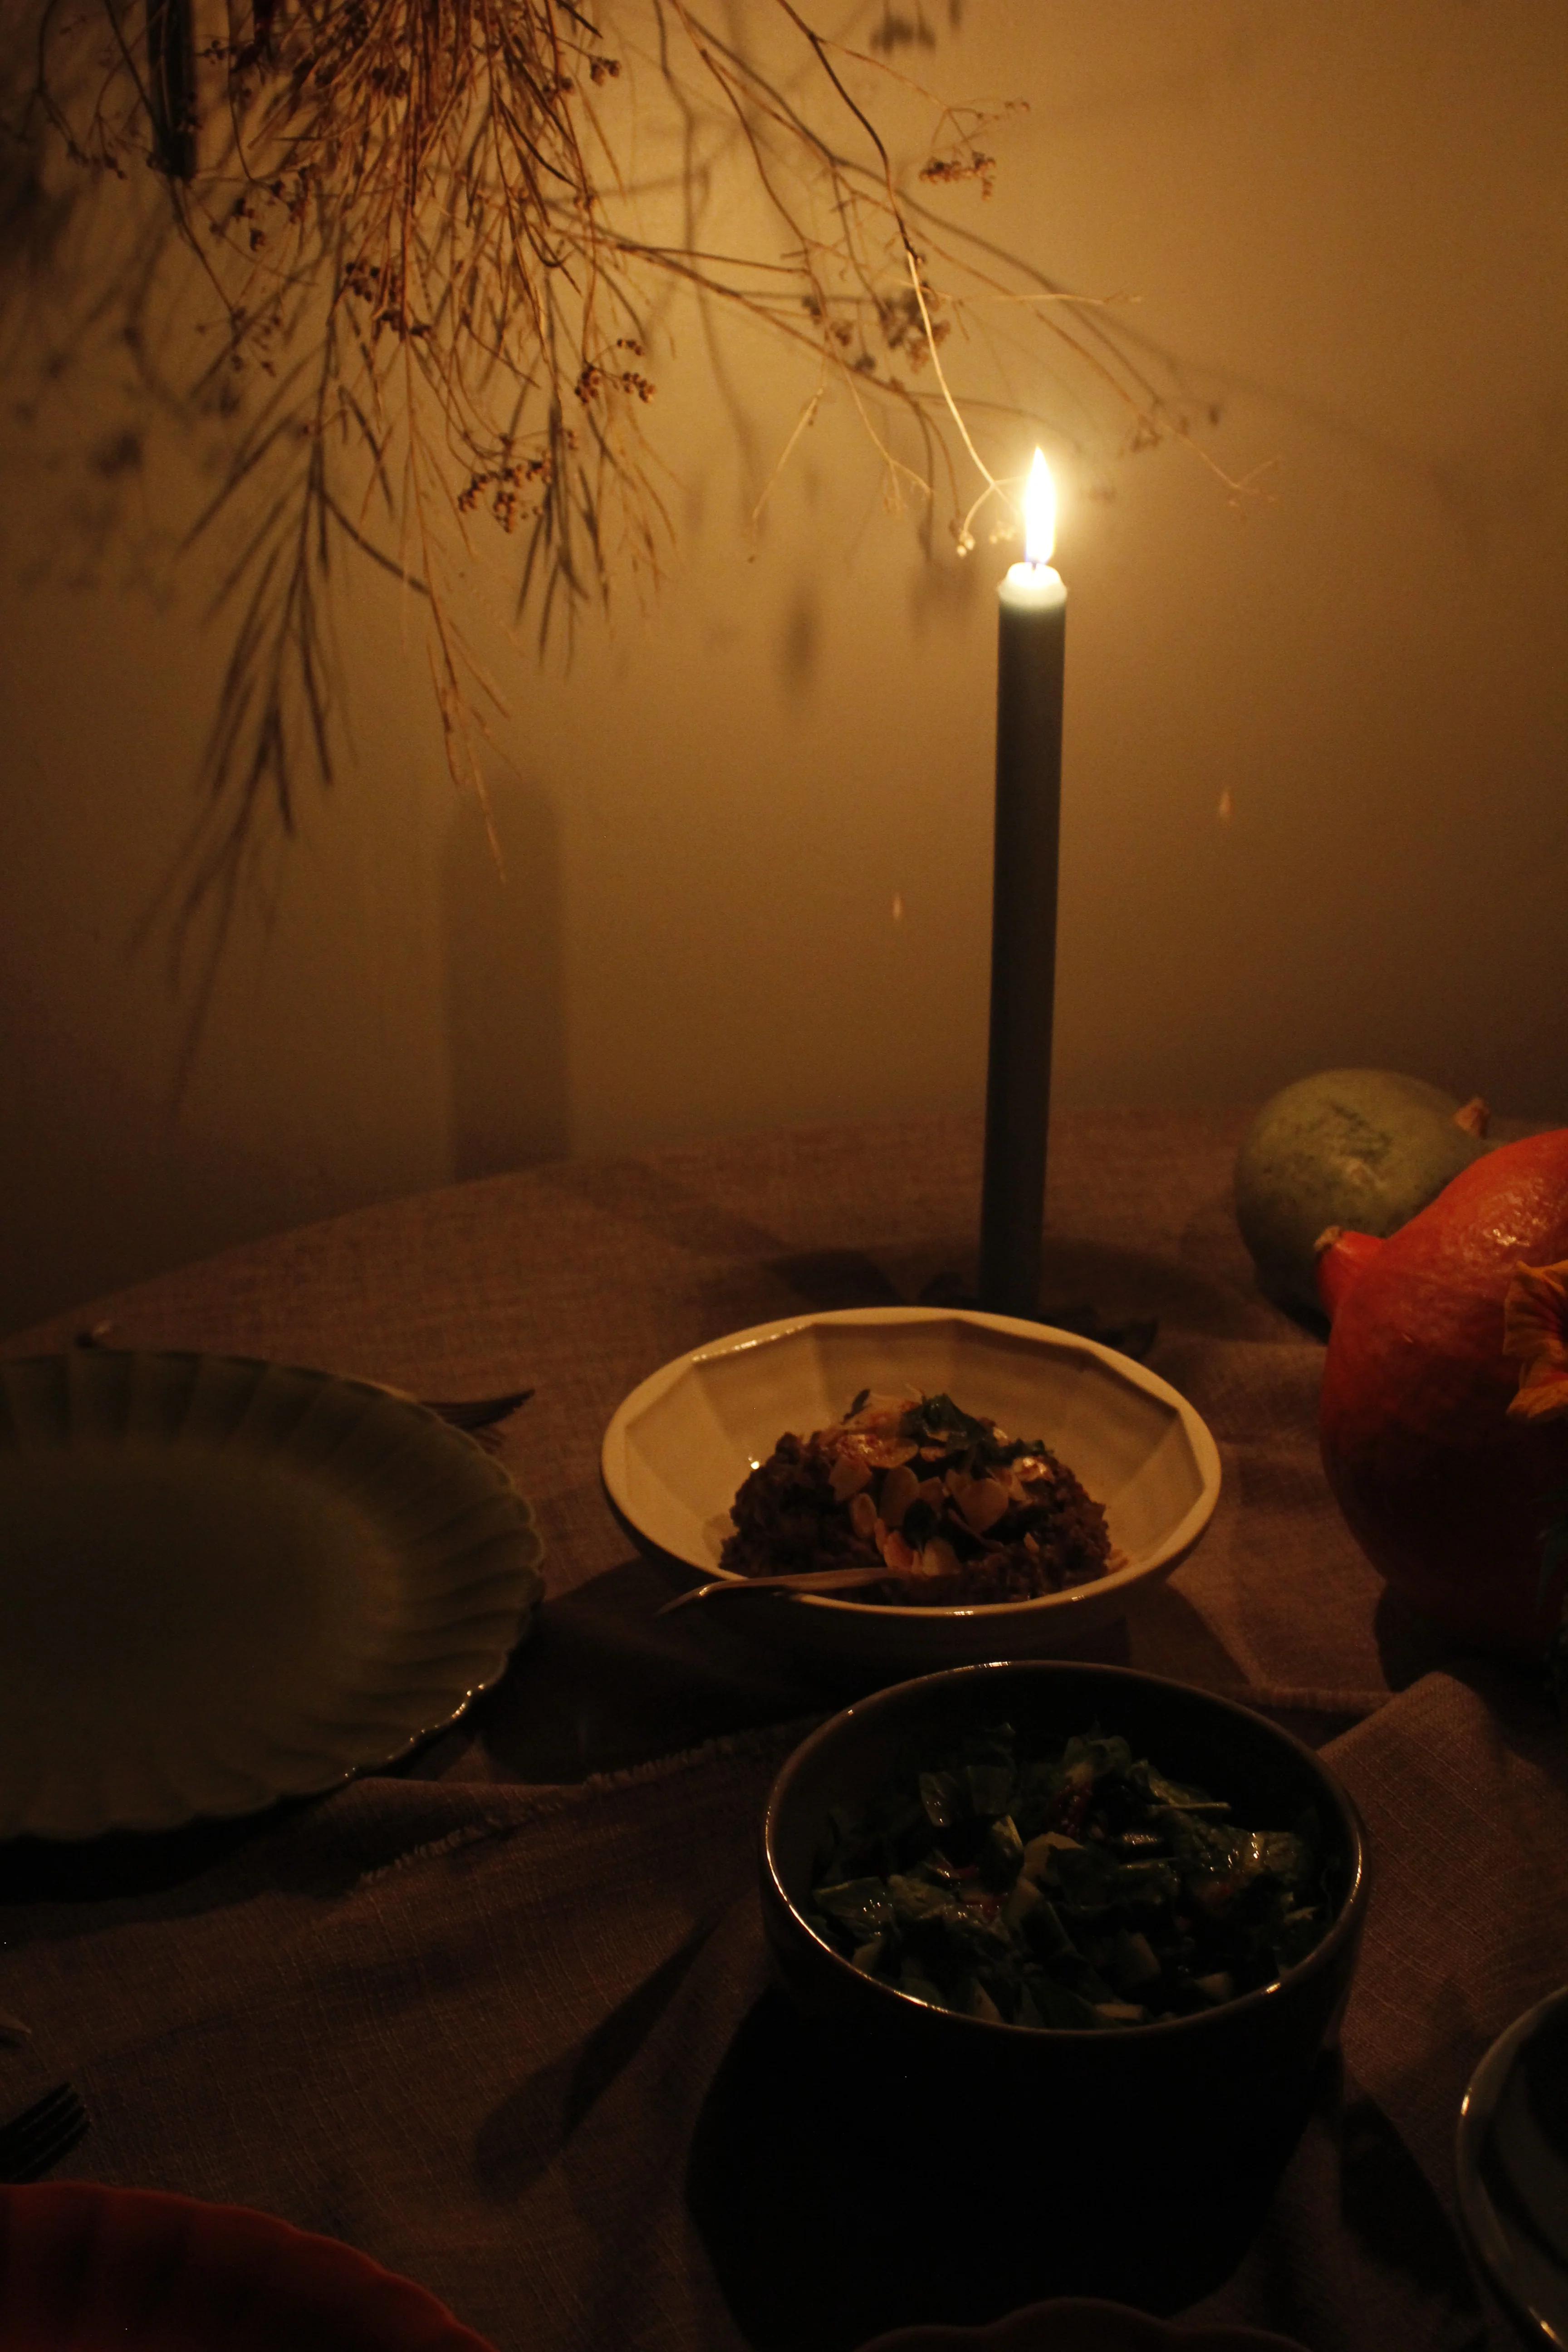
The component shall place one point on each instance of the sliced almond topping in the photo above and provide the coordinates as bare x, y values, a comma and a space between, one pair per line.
848, 1476
885, 1453
982, 1502
900, 1488
879, 1412
938, 1558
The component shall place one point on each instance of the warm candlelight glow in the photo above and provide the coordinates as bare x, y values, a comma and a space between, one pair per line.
1039, 512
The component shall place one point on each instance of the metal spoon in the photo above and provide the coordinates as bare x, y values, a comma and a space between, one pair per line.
825, 1579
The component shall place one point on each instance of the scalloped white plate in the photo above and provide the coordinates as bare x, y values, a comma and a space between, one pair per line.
223, 1582
680, 1444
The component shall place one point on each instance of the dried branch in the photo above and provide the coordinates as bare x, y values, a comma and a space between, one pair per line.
403, 238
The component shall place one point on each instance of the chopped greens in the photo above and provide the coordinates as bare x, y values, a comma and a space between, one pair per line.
1081, 1887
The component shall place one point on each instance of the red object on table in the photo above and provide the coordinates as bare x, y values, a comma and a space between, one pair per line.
85, 2268
1447, 1492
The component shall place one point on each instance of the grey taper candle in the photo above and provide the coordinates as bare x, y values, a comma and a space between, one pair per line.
1029, 673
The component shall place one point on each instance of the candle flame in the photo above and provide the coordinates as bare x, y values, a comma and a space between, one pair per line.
1039, 512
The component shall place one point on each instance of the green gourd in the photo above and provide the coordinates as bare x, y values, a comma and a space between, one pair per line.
1364, 1149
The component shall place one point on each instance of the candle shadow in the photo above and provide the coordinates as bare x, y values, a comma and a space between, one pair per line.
505, 986
604, 1683
1168, 1636
1124, 1298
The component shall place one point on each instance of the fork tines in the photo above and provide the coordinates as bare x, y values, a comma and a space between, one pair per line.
34, 2141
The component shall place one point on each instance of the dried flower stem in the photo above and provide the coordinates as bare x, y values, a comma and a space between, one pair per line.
428, 284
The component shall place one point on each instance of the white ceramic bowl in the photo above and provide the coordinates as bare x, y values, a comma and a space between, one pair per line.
680, 1444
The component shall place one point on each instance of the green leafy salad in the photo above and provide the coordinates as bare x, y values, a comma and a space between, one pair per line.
1076, 1888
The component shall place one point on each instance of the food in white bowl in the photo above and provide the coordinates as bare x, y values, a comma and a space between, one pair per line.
937, 1505
681, 1444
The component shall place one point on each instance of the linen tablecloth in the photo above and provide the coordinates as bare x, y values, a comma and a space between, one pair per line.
502, 2018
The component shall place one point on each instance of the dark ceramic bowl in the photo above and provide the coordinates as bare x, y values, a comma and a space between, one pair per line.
863, 2161
1152, 2096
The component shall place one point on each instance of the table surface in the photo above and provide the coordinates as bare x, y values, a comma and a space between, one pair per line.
501, 2016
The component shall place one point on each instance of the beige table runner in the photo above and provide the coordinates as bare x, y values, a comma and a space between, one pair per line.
580, 1280
478, 2024
518, 2043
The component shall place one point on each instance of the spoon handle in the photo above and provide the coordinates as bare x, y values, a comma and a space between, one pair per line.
825, 1579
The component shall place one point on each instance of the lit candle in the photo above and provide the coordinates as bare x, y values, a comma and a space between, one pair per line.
1031, 645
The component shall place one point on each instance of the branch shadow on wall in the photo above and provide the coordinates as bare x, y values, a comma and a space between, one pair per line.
506, 1010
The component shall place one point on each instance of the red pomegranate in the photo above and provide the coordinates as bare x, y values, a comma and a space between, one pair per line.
1445, 1404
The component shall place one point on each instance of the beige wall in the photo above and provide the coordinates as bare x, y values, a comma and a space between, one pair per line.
1347, 226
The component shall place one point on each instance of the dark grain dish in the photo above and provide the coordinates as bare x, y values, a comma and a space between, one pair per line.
1079, 1888
953, 1508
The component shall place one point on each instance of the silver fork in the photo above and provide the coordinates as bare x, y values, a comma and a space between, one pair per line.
32, 2143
